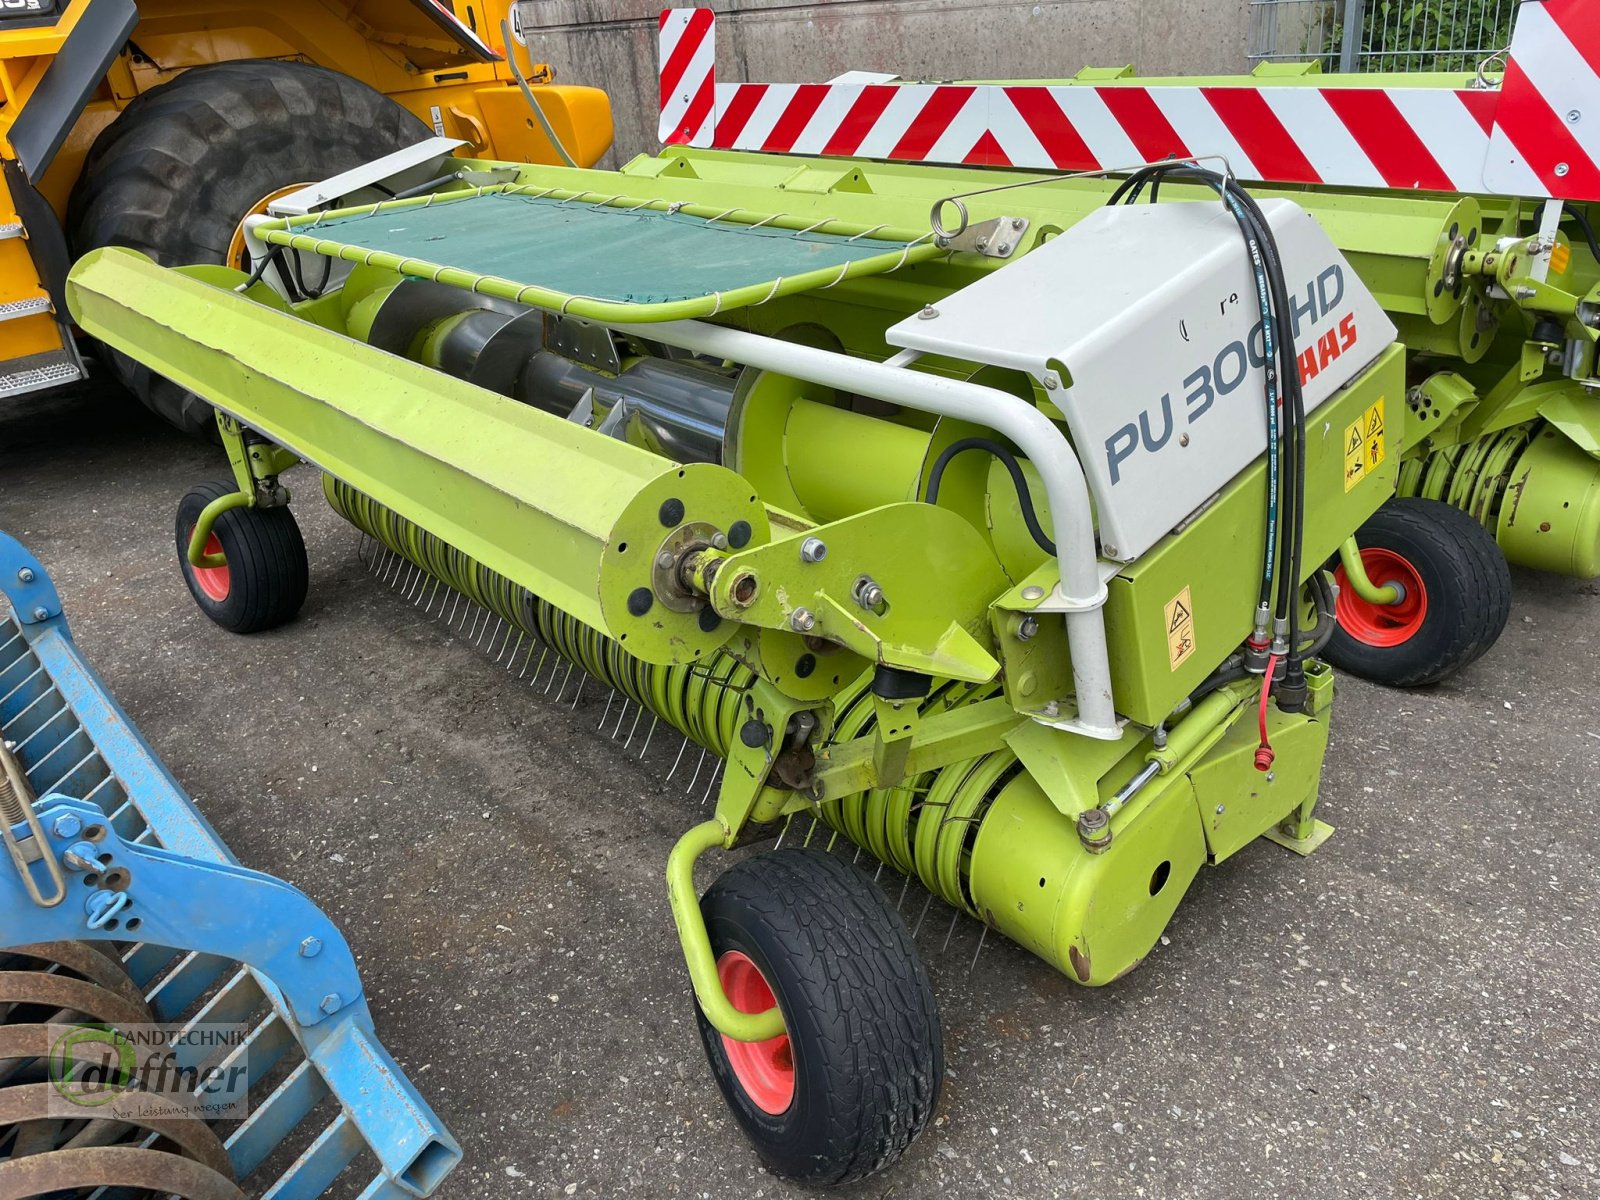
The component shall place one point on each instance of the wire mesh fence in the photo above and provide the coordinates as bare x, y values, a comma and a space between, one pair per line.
1381, 35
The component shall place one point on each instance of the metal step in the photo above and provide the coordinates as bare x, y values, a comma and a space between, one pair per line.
11, 310
14, 229
35, 372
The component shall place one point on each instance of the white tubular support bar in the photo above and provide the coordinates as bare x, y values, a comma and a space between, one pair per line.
1080, 594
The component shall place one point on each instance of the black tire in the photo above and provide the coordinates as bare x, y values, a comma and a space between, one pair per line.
1465, 601
176, 172
267, 574
863, 1027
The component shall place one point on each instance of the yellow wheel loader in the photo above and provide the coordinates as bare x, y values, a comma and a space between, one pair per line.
162, 124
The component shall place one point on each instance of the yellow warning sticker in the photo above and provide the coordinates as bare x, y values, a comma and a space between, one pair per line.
1363, 445
1180, 628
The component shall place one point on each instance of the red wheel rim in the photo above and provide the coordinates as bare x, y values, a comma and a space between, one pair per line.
1382, 624
765, 1070
213, 581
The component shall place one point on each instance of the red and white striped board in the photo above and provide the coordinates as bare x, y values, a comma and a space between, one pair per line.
688, 59
1547, 127
1436, 139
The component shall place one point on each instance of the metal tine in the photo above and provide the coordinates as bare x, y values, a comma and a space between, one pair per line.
833, 841
649, 733
399, 561
632, 729
926, 904
577, 695
564, 679
954, 917
716, 773
809, 832
361, 548
878, 874
695, 778
973, 964
544, 653
418, 582
531, 646
677, 761
499, 625
621, 717
904, 888
522, 636
610, 700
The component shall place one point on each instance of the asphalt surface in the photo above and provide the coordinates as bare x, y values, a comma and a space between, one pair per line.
1410, 1012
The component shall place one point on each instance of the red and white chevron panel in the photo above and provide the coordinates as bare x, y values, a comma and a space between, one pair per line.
1547, 127
688, 58
1392, 137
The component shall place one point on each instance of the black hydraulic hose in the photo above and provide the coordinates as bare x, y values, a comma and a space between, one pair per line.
1030, 518
1262, 253
1273, 297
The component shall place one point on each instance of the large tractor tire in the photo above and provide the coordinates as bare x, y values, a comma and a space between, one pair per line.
175, 174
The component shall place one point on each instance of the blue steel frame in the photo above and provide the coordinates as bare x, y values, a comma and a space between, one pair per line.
240, 945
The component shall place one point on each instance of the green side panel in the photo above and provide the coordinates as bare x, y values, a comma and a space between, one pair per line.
1217, 557
1238, 803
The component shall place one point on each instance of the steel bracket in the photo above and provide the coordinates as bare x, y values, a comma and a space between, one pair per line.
145, 893
997, 238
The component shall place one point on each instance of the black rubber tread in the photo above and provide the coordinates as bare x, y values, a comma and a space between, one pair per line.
862, 1020
268, 574
1469, 594
172, 176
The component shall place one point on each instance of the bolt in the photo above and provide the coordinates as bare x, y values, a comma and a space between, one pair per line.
719, 540
1271, 775
801, 620
80, 856
813, 550
1017, 222
868, 594
25, 575
1033, 592
1028, 627
310, 947
1051, 383
1052, 708
41, 613
1005, 247
1573, 116
1221, 808
1183, 439
928, 313
664, 560
331, 1003
1561, 170
66, 825
1109, 550
983, 243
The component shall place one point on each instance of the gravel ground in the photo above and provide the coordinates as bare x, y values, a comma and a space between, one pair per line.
1410, 1012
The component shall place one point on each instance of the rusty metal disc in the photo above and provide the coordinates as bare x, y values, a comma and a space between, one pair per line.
29, 1103
71, 995
88, 960
113, 1167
